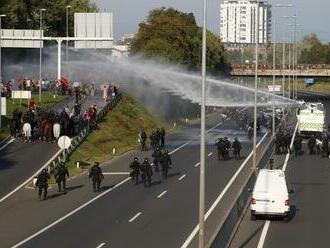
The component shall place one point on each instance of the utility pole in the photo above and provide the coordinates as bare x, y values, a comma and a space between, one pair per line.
256, 90
1, 85
201, 241
67, 33
40, 54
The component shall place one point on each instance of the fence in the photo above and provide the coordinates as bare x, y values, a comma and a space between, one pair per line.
62, 155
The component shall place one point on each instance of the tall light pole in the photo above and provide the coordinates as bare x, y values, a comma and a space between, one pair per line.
1, 85
40, 53
202, 147
256, 89
274, 60
67, 33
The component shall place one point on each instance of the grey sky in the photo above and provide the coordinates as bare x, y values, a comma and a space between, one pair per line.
312, 15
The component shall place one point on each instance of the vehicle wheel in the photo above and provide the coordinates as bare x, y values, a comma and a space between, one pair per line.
286, 218
253, 217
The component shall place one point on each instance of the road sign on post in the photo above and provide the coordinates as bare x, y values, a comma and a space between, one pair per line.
276, 88
64, 142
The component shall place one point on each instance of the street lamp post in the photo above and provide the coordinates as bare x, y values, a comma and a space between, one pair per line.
67, 33
256, 90
1, 85
40, 54
202, 146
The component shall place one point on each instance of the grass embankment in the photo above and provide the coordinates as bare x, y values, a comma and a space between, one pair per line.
12, 104
319, 86
119, 129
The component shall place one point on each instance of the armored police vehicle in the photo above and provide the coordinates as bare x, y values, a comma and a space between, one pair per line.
311, 118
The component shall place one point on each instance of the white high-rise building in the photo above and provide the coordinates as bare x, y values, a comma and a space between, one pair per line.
238, 20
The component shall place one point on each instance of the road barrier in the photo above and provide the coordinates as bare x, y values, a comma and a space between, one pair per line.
234, 214
77, 140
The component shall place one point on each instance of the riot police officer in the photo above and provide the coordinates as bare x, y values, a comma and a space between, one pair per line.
165, 163
227, 146
60, 176
152, 138
143, 140
157, 155
42, 183
97, 176
237, 149
297, 145
311, 145
135, 166
220, 149
162, 137
146, 172
325, 147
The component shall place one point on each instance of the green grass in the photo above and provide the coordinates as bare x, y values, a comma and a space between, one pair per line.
319, 86
12, 104
119, 129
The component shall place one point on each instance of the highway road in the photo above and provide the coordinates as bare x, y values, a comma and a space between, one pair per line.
124, 214
20, 160
309, 177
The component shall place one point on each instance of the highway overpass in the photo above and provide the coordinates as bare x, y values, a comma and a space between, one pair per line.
248, 70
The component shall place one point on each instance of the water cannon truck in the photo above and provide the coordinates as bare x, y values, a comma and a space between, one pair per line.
311, 119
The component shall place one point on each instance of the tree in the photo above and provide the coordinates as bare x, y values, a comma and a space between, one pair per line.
24, 14
173, 36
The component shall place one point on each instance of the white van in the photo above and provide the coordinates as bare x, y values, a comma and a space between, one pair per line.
270, 195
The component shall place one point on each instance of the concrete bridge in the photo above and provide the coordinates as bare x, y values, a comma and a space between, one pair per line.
302, 70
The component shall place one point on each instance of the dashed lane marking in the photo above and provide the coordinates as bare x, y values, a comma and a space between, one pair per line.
197, 164
263, 234
183, 176
116, 173
210, 154
162, 194
135, 217
100, 245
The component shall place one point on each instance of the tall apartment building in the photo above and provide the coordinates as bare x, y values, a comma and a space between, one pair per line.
238, 19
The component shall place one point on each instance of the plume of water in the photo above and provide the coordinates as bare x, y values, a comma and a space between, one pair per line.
148, 78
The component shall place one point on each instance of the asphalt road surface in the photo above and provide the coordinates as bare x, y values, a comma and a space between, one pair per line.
20, 160
127, 215
309, 177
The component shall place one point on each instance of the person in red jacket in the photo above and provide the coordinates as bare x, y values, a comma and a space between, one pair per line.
32, 104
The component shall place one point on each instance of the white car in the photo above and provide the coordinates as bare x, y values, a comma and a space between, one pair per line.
270, 196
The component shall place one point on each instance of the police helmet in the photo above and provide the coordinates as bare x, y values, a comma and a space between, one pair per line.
97, 163
44, 170
136, 159
166, 151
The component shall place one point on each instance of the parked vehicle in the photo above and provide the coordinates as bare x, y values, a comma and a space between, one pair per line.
270, 196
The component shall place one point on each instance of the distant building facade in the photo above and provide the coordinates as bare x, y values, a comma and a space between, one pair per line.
238, 20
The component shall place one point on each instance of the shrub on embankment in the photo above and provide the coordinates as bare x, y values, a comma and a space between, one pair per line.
119, 129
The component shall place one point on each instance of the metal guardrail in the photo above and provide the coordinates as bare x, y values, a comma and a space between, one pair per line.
239, 206
77, 140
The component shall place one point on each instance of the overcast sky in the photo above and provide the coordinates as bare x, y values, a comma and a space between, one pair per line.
313, 15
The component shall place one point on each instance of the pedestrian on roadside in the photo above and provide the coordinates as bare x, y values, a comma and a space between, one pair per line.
60, 177
42, 184
96, 175
143, 140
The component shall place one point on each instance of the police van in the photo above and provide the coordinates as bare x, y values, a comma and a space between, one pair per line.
270, 196
311, 119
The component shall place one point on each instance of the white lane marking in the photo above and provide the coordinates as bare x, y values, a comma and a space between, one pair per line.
85, 204
134, 217
70, 213
263, 234
116, 173
31, 178
210, 154
7, 144
197, 164
291, 145
194, 232
161, 195
183, 176
267, 223
100, 245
